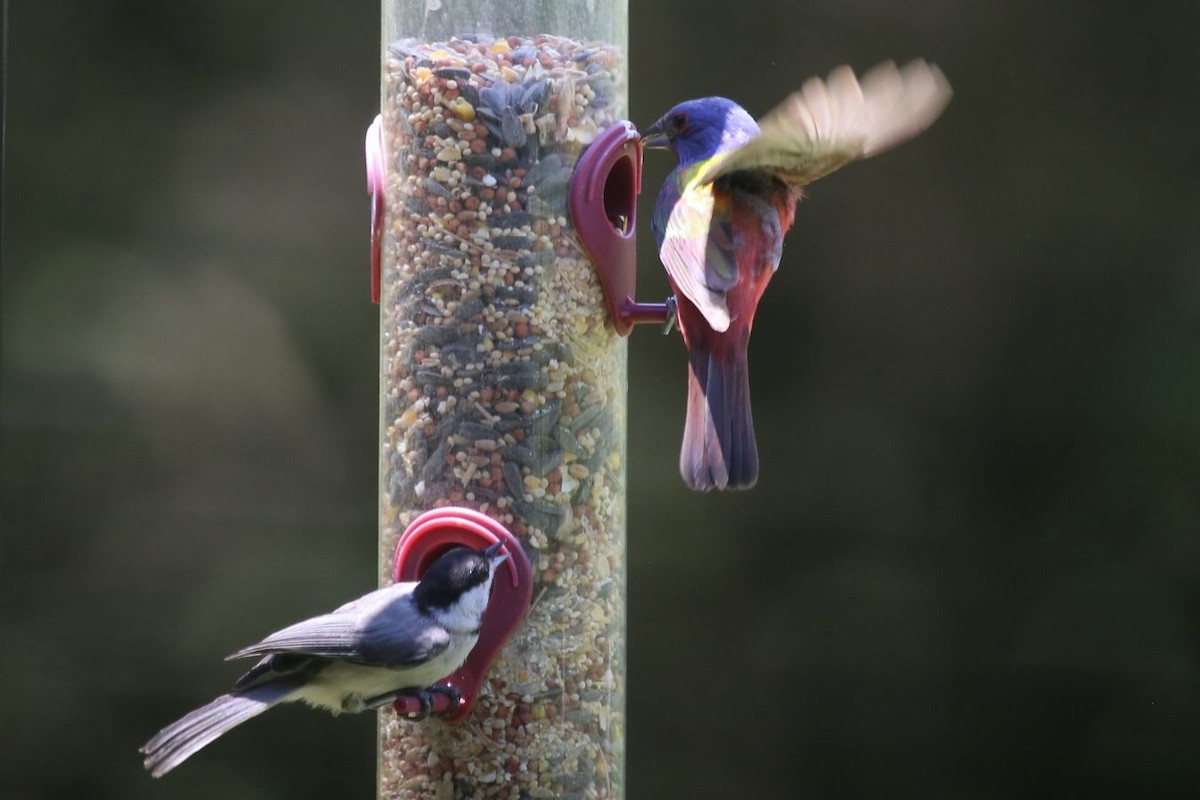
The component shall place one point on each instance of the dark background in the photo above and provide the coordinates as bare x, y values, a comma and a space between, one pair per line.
969, 569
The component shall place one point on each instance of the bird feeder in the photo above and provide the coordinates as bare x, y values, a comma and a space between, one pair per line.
503, 380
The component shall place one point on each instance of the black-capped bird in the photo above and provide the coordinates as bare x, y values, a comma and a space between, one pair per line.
394, 641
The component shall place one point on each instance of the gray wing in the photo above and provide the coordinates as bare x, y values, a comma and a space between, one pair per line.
400, 636
382, 628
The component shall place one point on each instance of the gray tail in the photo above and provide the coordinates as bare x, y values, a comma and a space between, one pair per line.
175, 743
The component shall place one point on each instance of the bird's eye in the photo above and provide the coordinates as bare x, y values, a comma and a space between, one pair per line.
679, 121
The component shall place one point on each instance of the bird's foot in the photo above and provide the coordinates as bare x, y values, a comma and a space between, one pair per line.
452, 694
425, 698
672, 315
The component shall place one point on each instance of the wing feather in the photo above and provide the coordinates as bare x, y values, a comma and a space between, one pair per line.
696, 248
382, 628
331, 636
829, 123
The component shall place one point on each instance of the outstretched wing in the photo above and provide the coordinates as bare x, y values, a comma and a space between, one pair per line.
827, 124
694, 225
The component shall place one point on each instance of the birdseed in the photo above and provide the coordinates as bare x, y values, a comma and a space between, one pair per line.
503, 390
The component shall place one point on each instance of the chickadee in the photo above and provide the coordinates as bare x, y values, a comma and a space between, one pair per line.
394, 641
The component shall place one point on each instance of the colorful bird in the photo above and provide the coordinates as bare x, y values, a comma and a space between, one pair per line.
722, 214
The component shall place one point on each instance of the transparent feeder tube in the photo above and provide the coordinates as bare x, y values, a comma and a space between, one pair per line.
503, 384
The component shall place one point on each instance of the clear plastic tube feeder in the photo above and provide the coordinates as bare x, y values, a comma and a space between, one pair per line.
503, 381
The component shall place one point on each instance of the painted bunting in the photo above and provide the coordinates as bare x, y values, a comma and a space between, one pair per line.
722, 214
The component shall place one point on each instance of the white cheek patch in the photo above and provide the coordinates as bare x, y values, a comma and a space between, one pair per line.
467, 614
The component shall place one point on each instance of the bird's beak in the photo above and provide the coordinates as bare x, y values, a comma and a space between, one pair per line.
491, 554
655, 138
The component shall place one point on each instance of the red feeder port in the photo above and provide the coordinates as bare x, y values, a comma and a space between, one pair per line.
603, 202
430, 535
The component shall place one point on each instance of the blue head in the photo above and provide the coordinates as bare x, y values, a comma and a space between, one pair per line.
699, 129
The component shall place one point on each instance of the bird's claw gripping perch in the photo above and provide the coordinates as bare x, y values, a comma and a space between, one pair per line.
426, 698
453, 695
669, 323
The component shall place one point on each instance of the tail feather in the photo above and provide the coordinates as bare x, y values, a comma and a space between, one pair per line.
175, 743
719, 450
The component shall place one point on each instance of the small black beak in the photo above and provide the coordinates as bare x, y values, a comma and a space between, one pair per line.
655, 138
495, 559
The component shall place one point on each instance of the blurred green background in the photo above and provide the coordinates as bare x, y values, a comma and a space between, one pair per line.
970, 568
